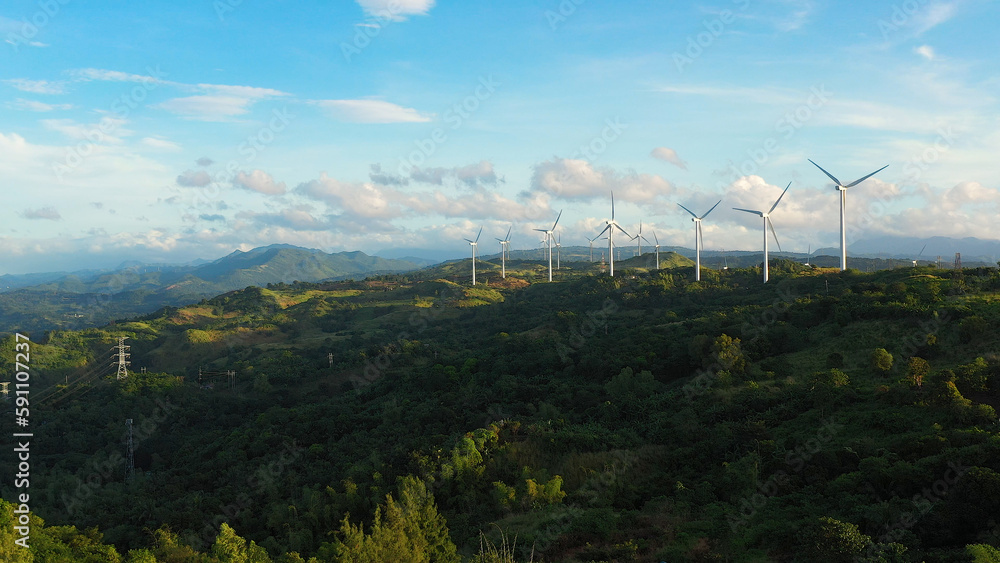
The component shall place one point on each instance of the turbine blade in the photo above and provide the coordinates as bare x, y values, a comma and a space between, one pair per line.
835, 180
622, 230
922, 251
541, 230
689, 211
612, 206
557, 220
602, 232
509, 229
770, 224
480, 234
754, 211
856, 182
656, 239
710, 210
780, 196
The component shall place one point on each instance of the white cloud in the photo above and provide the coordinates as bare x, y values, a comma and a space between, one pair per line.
109, 130
33, 105
161, 144
37, 86
578, 179
668, 155
481, 173
220, 103
87, 74
365, 200
925, 51
933, 15
396, 10
194, 179
371, 111
49, 213
260, 182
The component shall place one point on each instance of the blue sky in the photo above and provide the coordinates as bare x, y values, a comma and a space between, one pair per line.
167, 131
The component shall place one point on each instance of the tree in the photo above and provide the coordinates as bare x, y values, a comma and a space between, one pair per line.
727, 352
834, 541
881, 360
231, 548
917, 369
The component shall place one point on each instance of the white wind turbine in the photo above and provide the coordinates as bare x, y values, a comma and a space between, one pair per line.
558, 251
504, 250
610, 229
548, 240
657, 250
475, 245
591, 241
767, 223
842, 188
638, 238
698, 238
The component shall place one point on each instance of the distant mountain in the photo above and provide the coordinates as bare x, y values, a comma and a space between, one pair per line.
972, 249
425, 256
85, 298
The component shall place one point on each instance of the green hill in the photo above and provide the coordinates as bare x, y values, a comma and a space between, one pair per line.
825, 416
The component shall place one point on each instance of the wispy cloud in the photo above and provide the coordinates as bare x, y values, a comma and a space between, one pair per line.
371, 111
37, 86
260, 182
32, 105
668, 155
396, 10
926, 51
48, 213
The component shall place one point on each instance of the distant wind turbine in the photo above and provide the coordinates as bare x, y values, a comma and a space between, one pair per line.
504, 250
558, 253
548, 240
591, 241
767, 223
657, 250
610, 229
638, 238
474, 244
698, 238
842, 188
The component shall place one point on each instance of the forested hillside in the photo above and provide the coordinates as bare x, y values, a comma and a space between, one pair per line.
824, 416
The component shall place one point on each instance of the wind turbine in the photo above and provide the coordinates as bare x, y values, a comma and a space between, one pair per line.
638, 238
698, 238
767, 223
591, 241
474, 244
548, 239
558, 253
610, 229
842, 188
504, 249
657, 250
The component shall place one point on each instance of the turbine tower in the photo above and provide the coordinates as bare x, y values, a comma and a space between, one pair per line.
657, 250
698, 238
548, 240
504, 250
842, 188
610, 229
558, 252
474, 244
767, 223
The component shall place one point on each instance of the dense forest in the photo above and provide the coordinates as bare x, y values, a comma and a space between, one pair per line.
824, 416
